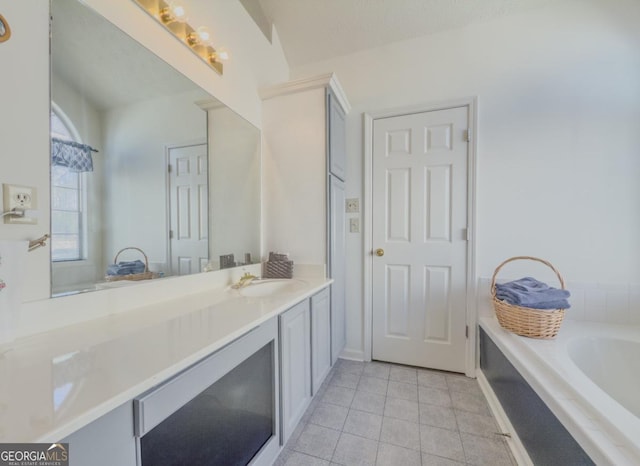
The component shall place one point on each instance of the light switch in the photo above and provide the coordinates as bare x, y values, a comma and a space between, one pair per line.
354, 225
352, 205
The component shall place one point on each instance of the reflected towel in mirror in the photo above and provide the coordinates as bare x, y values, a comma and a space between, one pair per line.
126, 268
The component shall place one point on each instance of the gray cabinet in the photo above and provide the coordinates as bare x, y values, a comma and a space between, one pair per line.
295, 370
336, 240
337, 142
320, 338
106, 441
337, 266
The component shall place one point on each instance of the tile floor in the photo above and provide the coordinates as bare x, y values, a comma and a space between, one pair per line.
386, 414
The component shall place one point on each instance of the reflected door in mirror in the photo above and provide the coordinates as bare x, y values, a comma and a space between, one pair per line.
188, 170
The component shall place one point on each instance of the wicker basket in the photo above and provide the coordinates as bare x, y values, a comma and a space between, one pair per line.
278, 269
146, 275
524, 321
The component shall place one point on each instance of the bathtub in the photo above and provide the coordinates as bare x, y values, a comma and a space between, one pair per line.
589, 377
613, 365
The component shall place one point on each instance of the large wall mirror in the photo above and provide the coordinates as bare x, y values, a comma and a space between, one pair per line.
146, 166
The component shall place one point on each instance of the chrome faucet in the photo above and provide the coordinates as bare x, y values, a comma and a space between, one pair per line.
244, 281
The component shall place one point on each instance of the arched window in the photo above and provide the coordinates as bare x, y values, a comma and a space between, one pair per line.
68, 199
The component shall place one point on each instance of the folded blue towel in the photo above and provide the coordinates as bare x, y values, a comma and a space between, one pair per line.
528, 284
528, 292
550, 305
126, 268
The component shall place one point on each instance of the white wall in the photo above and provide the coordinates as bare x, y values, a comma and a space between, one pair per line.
559, 129
295, 224
24, 89
24, 125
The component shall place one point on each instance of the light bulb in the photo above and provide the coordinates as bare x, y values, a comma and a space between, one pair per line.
223, 54
203, 33
178, 11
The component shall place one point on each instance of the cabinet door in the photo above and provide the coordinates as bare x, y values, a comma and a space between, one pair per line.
106, 441
337, 251
295, 340
320, 338
337, 142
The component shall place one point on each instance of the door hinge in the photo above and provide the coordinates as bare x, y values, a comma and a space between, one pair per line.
169, 169
170, 234
466, 331
467, 135
466, 235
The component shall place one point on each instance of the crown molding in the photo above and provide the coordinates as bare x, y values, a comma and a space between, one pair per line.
329, 80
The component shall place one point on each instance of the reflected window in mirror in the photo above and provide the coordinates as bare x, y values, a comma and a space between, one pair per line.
68, 197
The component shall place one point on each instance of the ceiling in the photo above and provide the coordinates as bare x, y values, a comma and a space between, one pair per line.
315, 30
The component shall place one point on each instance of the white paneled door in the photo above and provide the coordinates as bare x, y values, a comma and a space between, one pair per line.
189, 238
420, 165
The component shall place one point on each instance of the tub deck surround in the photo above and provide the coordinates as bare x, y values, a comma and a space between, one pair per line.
54, 383
606, 431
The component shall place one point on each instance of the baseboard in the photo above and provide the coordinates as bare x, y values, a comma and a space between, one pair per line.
517, 448
353, 355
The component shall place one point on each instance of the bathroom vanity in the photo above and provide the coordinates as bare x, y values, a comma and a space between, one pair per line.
119, 388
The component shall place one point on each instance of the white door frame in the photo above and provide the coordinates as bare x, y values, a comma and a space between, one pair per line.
471, 318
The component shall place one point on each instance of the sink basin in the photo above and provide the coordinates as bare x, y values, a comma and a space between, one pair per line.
271, 287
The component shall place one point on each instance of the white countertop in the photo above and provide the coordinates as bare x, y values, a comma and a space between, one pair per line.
54, 383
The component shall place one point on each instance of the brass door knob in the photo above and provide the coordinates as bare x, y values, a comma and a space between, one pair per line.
379, 252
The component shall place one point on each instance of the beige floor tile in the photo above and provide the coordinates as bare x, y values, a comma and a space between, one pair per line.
393, 455
355, 451
406, 410
363, 424
401, 433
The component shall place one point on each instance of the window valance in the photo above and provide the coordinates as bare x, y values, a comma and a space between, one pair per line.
71, 154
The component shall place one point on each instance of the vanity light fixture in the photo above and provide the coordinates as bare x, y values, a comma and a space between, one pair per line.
173, 17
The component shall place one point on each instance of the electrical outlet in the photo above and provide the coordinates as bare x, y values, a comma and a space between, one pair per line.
19, 197
354, 225
352, 205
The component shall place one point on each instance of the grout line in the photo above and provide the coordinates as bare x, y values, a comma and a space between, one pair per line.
419, 427
464, 450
